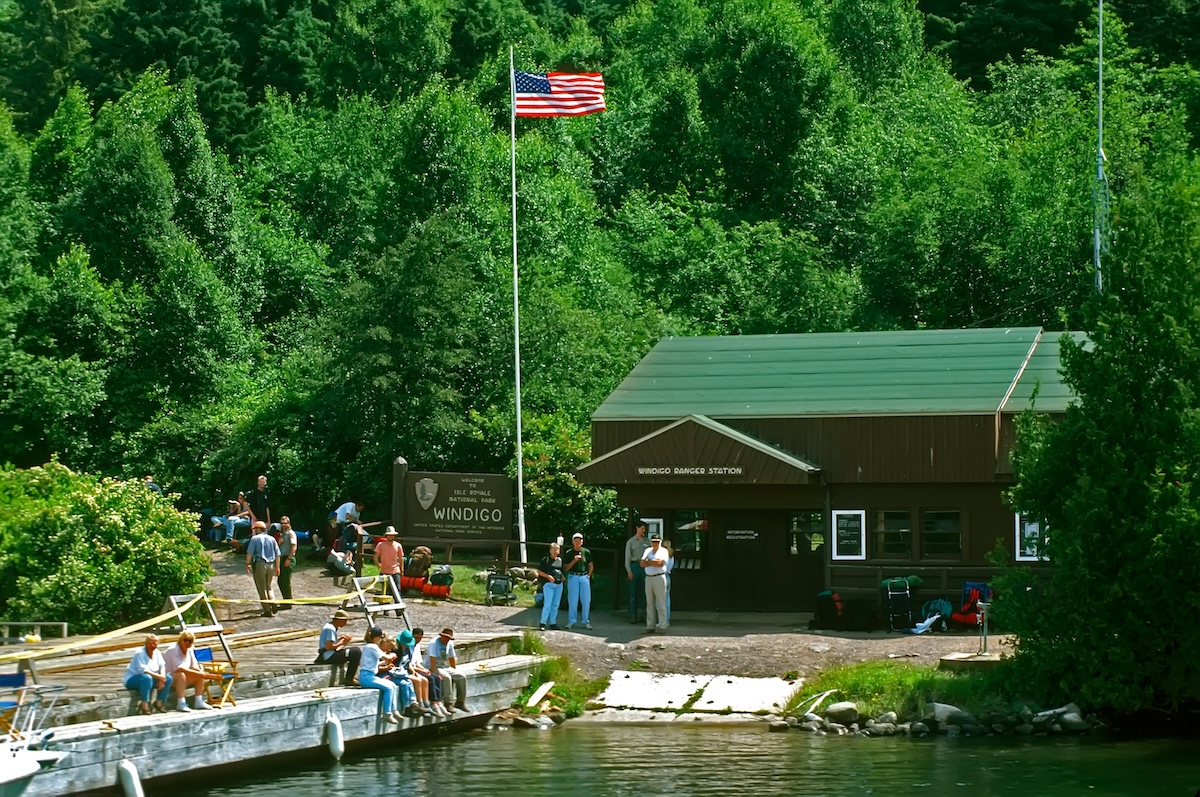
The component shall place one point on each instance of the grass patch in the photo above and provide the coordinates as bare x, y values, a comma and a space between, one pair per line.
569, 684
879, 686
691, 701
468, 590
528, 644
465, 588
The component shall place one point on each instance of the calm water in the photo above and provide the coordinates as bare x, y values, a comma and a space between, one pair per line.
590, 760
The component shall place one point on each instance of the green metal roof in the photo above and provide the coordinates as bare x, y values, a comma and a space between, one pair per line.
918, 372
1042, 372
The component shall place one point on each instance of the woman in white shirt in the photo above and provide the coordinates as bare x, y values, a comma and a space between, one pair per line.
146, 673
368, 674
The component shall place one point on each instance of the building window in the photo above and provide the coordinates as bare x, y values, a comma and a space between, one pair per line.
806, 533
893, 534
941, 534
1031, 539
849, 534
689, 537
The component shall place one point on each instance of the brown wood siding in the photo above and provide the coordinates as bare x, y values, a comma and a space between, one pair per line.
900, 449
696, 453
786, 583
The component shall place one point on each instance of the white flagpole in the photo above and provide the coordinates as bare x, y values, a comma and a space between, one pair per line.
512, 86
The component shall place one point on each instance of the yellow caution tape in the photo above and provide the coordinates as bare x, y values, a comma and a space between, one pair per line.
129, 629
326, 599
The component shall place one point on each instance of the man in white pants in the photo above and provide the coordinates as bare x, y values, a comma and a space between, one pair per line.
654, 563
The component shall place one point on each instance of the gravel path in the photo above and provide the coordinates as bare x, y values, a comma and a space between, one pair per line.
745, 644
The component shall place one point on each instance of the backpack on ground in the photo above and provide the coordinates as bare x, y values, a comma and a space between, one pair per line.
441, 576
419, 563
828, 611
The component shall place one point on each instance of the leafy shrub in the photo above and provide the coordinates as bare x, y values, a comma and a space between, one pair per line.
97, 553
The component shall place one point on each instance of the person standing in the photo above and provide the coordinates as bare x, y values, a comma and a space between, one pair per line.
635, 546
579, 583
389, 558
334, 648
670, 567
146, 673
262, 562
288, 545
550, 570
260, 502
654, 562
441, 662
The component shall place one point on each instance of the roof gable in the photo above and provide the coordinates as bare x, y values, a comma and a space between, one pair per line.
697, 449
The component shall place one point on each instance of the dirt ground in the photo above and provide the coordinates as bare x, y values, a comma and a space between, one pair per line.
745, 644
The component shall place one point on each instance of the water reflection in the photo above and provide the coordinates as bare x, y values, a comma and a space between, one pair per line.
588, 761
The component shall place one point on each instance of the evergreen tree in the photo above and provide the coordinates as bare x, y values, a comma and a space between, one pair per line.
1117, 481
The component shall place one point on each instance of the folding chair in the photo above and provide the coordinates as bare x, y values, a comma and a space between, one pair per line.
226, 669
12, 697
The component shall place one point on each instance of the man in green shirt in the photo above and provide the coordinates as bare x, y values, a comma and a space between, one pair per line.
578, 564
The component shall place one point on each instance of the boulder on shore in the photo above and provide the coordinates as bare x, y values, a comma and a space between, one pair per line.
843, 713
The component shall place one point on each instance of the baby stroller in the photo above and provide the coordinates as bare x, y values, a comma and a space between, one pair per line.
499, 590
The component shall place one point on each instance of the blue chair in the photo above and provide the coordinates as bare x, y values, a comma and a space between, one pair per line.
226, 669
9, 708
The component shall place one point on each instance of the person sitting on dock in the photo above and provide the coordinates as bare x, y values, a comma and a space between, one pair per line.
441, 661
374, 658
185, 671
401, 675
147, 671
408, 655
334, 647
419, 670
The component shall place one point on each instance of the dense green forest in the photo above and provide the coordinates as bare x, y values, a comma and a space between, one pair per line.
244, 236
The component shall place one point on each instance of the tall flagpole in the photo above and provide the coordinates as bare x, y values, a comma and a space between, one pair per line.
512, 87
1100, 196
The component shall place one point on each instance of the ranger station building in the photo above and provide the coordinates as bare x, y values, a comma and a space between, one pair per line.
780, 465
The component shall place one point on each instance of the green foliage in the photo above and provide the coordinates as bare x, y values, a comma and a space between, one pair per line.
245, 236
97, 553
528, 644
569, 684
879, 686
1116, 479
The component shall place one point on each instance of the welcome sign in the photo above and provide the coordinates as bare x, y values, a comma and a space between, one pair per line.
459, 505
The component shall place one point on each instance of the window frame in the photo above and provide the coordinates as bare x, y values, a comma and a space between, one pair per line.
958, 557
876, 534
1020, 522
796, 533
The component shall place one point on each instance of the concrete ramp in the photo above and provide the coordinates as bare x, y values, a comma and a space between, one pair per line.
651, 690
698, 693
746, 695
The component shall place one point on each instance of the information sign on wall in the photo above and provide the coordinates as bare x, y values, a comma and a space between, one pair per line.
849, 534
459, 505
741, 534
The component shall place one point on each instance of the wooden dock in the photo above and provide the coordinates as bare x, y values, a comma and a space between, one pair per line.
284, 709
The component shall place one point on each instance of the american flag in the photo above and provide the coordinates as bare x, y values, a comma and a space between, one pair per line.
558, 93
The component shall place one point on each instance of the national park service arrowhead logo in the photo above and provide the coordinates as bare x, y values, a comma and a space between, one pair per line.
426, 492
